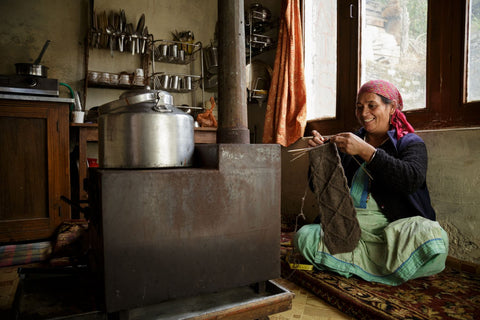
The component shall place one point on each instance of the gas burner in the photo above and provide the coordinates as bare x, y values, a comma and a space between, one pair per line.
31, 85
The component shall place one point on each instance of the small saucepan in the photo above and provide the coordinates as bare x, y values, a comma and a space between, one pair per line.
35, 68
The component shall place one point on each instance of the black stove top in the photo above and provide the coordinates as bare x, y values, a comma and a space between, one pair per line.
31, 85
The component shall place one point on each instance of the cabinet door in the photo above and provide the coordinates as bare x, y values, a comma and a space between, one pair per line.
34, 169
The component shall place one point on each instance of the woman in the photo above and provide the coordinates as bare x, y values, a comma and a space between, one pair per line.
400, 239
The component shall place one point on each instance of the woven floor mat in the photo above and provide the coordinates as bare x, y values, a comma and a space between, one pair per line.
451, 294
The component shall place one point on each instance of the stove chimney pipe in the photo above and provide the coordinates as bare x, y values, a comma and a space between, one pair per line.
232, 91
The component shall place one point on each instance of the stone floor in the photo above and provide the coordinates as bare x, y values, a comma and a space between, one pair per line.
307, 306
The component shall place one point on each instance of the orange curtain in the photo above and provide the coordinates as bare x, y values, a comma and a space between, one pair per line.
286, 114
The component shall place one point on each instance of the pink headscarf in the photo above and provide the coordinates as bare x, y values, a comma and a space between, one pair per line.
389, 91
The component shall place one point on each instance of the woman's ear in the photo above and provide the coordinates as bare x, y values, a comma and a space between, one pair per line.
393, 107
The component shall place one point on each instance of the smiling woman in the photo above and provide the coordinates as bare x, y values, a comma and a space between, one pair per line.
385, 164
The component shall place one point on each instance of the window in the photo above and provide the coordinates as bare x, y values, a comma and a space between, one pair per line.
440, 51
473, 52
393, 47
320, 57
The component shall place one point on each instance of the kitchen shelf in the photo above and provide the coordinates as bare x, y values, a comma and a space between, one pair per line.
163, 54
158, 81
261, 33
114, 86
261, 36
178, 53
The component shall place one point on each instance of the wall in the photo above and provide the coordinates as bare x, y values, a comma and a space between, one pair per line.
27, 24
453, 178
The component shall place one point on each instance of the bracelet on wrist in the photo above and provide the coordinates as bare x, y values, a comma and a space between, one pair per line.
373, 156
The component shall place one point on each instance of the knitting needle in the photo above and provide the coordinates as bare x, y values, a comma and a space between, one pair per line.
301, 151
363, 168
298, 156
309, 148
298, 153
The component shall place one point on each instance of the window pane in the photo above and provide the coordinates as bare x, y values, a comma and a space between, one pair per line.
473, 67
393, 46
320, 57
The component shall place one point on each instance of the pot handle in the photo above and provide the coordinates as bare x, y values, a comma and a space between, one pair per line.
37, 61
160, 107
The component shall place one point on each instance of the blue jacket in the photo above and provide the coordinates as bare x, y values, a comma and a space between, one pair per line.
399, 171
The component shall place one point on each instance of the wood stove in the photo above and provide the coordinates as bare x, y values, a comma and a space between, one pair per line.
162, 234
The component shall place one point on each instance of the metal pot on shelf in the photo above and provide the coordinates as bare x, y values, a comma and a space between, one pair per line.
211, 59
144, 130
35, 68
260, 13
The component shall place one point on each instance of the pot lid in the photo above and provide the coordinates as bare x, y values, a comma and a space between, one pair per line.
135, 97
136, 92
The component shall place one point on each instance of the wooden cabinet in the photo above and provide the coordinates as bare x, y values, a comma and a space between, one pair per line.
34, 170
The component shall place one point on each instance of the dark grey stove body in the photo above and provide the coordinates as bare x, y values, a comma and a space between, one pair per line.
163, 234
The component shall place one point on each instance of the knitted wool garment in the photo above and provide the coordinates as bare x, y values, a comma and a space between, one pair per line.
338, 217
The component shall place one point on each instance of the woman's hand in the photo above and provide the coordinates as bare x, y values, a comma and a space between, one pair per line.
352, 144
316, 140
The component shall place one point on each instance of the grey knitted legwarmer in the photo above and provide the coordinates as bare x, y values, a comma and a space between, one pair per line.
338, 216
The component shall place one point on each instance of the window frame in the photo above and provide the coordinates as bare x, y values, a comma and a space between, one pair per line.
446, 105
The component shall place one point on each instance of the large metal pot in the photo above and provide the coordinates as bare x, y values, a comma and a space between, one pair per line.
144, 130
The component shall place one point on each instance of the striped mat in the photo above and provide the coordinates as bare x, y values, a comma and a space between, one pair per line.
15, 254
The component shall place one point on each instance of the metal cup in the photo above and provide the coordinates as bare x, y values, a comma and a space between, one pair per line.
174, 82
165, 81
163, 51
181, 55
173, 51
187, 81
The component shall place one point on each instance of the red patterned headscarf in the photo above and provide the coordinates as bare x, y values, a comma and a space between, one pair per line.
389, 91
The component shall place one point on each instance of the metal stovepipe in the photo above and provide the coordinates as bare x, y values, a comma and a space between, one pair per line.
232, 90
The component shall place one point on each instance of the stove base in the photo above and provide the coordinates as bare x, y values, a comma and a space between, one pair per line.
171, 233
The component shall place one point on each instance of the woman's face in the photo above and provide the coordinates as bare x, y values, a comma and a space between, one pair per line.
373, 114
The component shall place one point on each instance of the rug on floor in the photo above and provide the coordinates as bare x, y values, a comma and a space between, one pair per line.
451, 294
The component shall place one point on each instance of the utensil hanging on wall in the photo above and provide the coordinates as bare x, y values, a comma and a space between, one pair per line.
123, 21
139, 31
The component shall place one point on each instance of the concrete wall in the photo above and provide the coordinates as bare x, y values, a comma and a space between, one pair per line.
27, 24
453, 179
